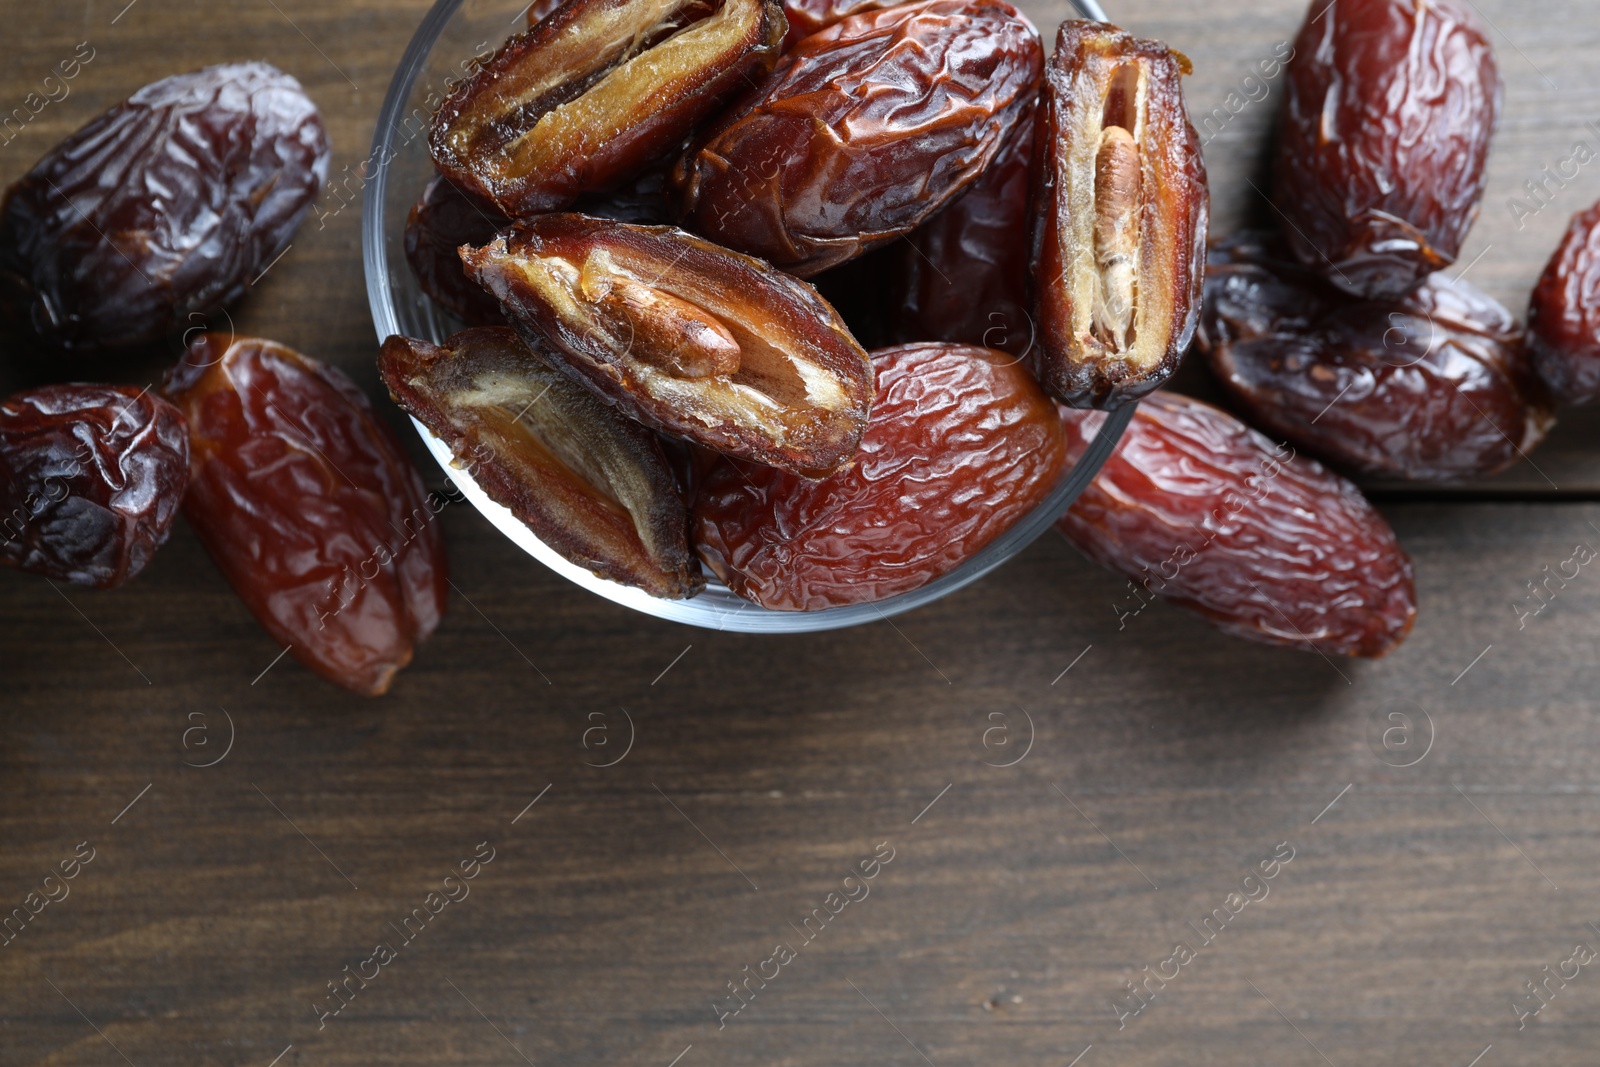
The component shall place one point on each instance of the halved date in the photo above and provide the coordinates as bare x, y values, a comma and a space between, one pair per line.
588, 482
1435, 386
962, 444
1564, 314
1120, 227
162, 210
1388, 111
692, 339
90, 480
593, 92
863, 131
309, 507
962, 276
1198, 508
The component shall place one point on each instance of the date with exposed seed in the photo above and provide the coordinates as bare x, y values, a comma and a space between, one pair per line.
962, 444
590, 483
1435, 386
686, 337
1199, 509
589, 95
1388, 111
1120, 222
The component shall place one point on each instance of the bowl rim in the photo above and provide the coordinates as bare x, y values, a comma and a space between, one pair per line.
716, 608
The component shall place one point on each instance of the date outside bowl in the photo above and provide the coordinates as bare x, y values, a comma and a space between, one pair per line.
451, 34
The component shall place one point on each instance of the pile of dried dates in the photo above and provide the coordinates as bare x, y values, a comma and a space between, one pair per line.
638, 209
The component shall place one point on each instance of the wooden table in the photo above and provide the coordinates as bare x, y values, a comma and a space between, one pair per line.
1440, 806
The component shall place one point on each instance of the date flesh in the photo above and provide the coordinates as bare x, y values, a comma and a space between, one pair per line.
90, 480
591, 94
298, 491
1435, 386
588, 482
963, 275
440, 222
688, 338
863, 131
1388, 113
1120, 225
1199, 509
1564, 314
162, 210
962, 444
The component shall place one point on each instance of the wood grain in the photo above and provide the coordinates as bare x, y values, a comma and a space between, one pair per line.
1166, 760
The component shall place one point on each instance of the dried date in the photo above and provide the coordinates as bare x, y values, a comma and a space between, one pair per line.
689, 338
90, 480
591, 484
1435, 386
1564, 314
1199, 509
1120, 225
591, 94
962, 276
162, 210
440, 222
309, 507
808, 16
863, 131
1388, 112
962, 444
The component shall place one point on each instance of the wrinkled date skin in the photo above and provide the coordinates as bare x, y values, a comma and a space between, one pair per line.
963, 275
309, 507
162, 210
1433, 387
962, 444
591, 484
90, 480
1198, 508
592, 93
440, 222
808, 16
689, 338
1120, 223
863, 131
1564, 315
1388, 112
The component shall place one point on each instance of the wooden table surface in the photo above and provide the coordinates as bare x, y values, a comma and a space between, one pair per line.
1064, 801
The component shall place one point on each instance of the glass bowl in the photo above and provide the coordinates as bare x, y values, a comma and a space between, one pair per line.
451, 34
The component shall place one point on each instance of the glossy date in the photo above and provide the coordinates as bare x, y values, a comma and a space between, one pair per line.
863, 131
962, 444
1120, 223
1436, 386
1199, 509
689, 338
591, 484
91, 477
162, 210
1564, 314
309, 507
591, 94
1389, 109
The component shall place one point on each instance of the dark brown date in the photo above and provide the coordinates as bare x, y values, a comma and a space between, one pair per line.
1120, 228
594, 92
162, 210
90, 480
1564, 315
440, 222
962, 444
962, 276
863, 131
689, 338
309, 507
588, 482
1198, 508
1435, 386
808, 16
1388, 112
